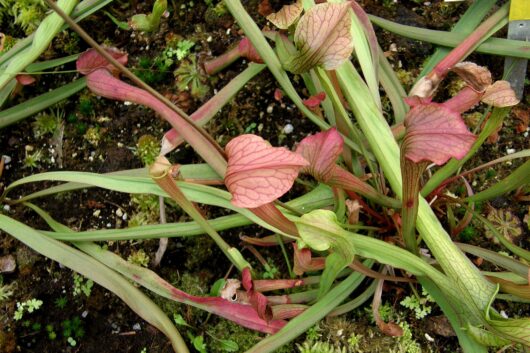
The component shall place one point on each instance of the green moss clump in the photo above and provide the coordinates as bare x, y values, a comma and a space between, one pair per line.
146, 210
147, 149
405, 77
139, 258
85, 106
199, 250
468, 233
67, 42
47, 124
8, 41
27, 14
150, 71
225, 329
93, 135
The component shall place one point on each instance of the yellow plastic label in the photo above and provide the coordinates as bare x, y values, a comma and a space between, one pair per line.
519, 10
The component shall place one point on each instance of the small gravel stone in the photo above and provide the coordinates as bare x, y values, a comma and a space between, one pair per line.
289, 128
7, 264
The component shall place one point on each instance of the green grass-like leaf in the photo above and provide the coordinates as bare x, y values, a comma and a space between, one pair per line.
99, 273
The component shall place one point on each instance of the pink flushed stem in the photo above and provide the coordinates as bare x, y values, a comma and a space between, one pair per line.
243, 49
369, 31
287, 311
208, 110
267, 285
347, 181
468, 45
242, 314
221, 62
104, 84
295, 298
466, 99
270, 214
270, 240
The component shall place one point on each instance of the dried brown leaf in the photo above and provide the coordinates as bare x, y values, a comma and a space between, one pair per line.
323, 38
478, 77
287, 15
500, 94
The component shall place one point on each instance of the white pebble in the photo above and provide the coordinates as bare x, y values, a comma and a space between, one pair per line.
96, 213
84, 314
7, 208
119, 212
510, 150
124, 217
137, 327
429, 338
6, 159
289, 128
127, 103
109, 225
270, 108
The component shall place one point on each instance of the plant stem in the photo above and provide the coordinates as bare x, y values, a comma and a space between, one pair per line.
465, 25
460, 269
411, 173
160, 173
472, 41
209, 109
44, 34
273, 63
131, 75
493, 46
221, 62
495, 120
91, 268
308, 318
103, 83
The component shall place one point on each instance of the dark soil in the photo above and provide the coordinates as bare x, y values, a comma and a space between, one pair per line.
106, 323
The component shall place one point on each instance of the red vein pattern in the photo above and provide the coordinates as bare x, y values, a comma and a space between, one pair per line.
321, 150
258, 173
91, 60
478, 77
500, 94
287, 15
435, 133
323, 38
